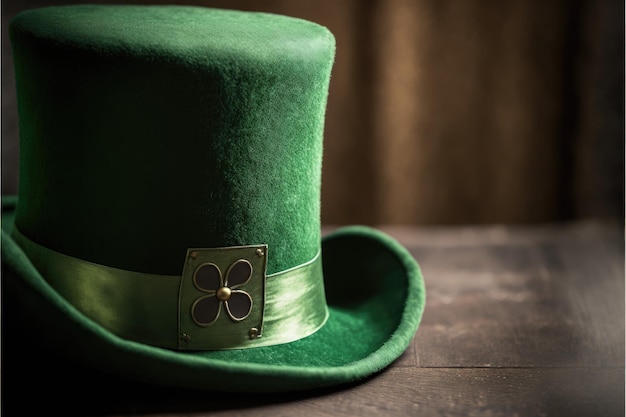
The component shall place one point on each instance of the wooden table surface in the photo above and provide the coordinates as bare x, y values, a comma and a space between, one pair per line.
519, 321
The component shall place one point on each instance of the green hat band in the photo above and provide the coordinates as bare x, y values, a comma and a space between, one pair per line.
222, 300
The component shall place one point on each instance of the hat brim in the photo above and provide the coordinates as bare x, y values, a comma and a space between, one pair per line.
375, 293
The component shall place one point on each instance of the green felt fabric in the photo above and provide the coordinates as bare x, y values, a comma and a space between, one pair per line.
376, 298
146, 130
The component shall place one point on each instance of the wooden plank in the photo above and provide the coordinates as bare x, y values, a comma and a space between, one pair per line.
559, 303
400, 391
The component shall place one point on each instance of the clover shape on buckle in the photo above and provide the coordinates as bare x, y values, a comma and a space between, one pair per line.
208, 279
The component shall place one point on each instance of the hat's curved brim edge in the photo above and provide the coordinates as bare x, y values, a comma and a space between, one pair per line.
369, 326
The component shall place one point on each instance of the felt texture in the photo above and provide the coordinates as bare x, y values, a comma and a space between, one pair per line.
146, 130
376, 298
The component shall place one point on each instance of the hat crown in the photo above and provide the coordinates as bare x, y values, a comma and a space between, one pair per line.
148, 130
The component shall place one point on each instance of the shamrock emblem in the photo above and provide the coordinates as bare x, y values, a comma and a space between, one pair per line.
208, 279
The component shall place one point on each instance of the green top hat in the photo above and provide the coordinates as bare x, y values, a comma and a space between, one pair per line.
169, 204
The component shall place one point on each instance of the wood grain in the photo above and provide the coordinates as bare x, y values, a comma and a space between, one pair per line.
524, 321
553, 301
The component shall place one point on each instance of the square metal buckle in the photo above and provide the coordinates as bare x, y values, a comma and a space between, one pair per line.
222, 297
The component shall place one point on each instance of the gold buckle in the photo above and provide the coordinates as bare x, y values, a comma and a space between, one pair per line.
221, 300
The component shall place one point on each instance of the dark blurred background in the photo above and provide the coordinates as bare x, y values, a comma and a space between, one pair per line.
451, 111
